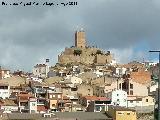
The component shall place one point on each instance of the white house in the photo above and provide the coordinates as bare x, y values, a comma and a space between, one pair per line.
134, 102
36, 79
120, 70
118, 98
4, 73
32, 104
99, 72
41, 70
153, 87
113, 62
76, 70
140, 101
4, 90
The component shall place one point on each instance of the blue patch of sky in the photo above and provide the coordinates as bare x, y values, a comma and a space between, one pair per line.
144, 47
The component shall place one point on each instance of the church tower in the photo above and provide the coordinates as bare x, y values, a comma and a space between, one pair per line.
80, 40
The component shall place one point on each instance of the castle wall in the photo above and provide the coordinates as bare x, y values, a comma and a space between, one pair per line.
86, 57
73, 58
68, 51
103, 59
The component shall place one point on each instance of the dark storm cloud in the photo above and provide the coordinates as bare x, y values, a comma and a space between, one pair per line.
120, 23
30, 34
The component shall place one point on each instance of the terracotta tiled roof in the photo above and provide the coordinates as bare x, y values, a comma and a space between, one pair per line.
96, 98
135, 98
41, 108
142, 77
91, 97
103, 98
65, 98
24, 97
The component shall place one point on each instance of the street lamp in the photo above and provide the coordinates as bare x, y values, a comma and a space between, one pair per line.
158, 51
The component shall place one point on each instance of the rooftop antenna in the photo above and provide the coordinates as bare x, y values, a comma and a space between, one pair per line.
77, 28
81, 29
143, 60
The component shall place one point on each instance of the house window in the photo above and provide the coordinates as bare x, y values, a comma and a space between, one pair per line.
117, 94
125, 85
119, 86
5, 92
59, 96
146, 100
50, 96
117, 99
53, 96
89, 90
131, 86
128, 113
39, 70
32, 111
33, 104
120, 113
131, 92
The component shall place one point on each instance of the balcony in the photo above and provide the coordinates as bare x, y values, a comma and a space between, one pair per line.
54, 91
40, 90
40, 103
23, 108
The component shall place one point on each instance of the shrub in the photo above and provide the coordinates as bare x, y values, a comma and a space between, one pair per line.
99, 52
77, 52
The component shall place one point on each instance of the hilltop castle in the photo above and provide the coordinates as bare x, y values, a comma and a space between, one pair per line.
81, 53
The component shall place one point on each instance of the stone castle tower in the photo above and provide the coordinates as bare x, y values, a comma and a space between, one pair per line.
88, 55
80, 40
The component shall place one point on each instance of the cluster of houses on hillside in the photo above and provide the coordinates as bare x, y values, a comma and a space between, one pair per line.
76, 88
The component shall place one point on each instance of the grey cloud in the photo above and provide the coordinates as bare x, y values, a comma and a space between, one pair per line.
119, 23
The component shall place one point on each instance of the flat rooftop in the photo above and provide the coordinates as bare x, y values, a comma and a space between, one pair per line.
118, 108
60, 116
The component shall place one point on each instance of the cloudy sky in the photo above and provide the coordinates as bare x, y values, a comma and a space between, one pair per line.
29, 34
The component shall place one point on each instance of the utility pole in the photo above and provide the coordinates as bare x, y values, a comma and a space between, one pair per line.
158, 51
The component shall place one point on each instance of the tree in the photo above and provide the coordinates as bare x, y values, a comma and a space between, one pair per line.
77, 52
156, 113
99, 52
154, 78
